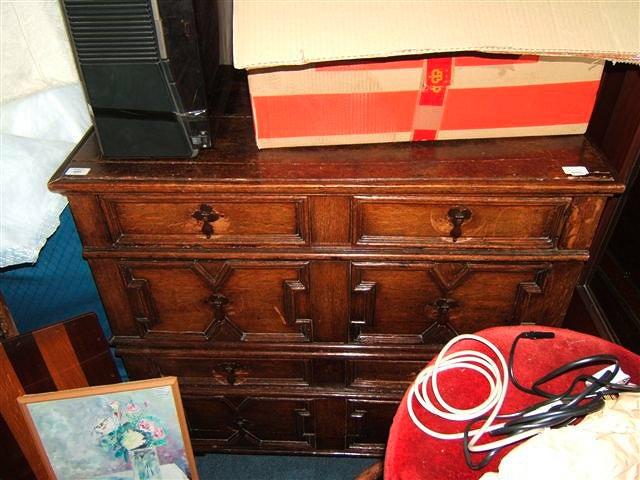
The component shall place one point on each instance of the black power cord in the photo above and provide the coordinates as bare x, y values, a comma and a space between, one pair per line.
568, 406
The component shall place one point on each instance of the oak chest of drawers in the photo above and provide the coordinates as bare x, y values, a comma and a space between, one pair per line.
297, 292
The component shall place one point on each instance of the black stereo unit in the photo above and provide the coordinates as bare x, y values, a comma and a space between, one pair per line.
148, 68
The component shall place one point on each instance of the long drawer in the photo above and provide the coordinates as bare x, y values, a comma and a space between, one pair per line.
234, 370
229, 371
245, 423
292, 302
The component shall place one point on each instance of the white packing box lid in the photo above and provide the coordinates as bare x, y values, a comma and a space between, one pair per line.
269, 33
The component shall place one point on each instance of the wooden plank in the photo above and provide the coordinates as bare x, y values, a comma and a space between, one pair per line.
10, 389
330, 220
60, 357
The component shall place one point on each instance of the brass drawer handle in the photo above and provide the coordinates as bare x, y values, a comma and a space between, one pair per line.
457, 216
207, 215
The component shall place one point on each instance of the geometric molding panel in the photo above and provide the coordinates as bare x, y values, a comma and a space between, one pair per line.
228, 301
247, 421
429, 303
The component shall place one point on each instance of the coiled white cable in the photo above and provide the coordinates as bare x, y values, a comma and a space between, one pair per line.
496, 376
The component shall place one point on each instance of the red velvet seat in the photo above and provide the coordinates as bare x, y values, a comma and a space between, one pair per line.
412, 455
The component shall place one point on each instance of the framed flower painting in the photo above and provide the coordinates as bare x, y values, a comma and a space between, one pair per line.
127, 431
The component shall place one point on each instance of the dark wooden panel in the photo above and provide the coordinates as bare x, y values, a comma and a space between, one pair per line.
223, 301
257, 220
330, 300
14, 465
229, 371
625, 238
330, 423
621, 314
10, 389
583, 218
509, 223
621, 141
27, 361
108, 278
430, 303
608, 93
92, 351
236, 422
619, 138
330, 220
615, 128
384, 374
329, 372
92, 226
60, 357
368, 423
506, 165
550, 307
44, 361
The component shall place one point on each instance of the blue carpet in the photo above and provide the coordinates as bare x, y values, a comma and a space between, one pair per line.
267, 467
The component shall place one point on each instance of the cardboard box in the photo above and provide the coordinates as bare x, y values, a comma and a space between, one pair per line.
340, 98
434, 98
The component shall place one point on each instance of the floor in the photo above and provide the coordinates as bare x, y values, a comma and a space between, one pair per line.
272, 467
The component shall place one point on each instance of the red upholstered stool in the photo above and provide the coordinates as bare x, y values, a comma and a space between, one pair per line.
413, 455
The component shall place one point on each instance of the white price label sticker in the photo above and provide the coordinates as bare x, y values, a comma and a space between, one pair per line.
575, 171
77, 171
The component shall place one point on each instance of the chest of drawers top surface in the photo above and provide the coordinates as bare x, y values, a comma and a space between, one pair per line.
234, 164
513, 165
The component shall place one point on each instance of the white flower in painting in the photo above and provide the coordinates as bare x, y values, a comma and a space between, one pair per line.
132, 439
115, 405
106, 426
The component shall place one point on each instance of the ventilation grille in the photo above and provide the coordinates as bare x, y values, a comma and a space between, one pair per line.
112, 31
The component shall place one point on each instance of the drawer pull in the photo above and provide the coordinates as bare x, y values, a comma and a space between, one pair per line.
230, 370
443, 305
218, 301
207, 215
241, 423
457, 215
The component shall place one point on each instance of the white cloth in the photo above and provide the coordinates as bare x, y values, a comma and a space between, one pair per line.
35, 53
604, 446
37, 132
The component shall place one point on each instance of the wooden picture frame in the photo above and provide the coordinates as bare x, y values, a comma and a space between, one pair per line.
127, 421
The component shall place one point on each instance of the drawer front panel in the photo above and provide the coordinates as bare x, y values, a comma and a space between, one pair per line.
430, 303
511, 223
368, 423
207, 221
251, 422
231, 301
383, 374
227, 372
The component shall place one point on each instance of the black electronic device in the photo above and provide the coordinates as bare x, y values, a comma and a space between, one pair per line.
148, 68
